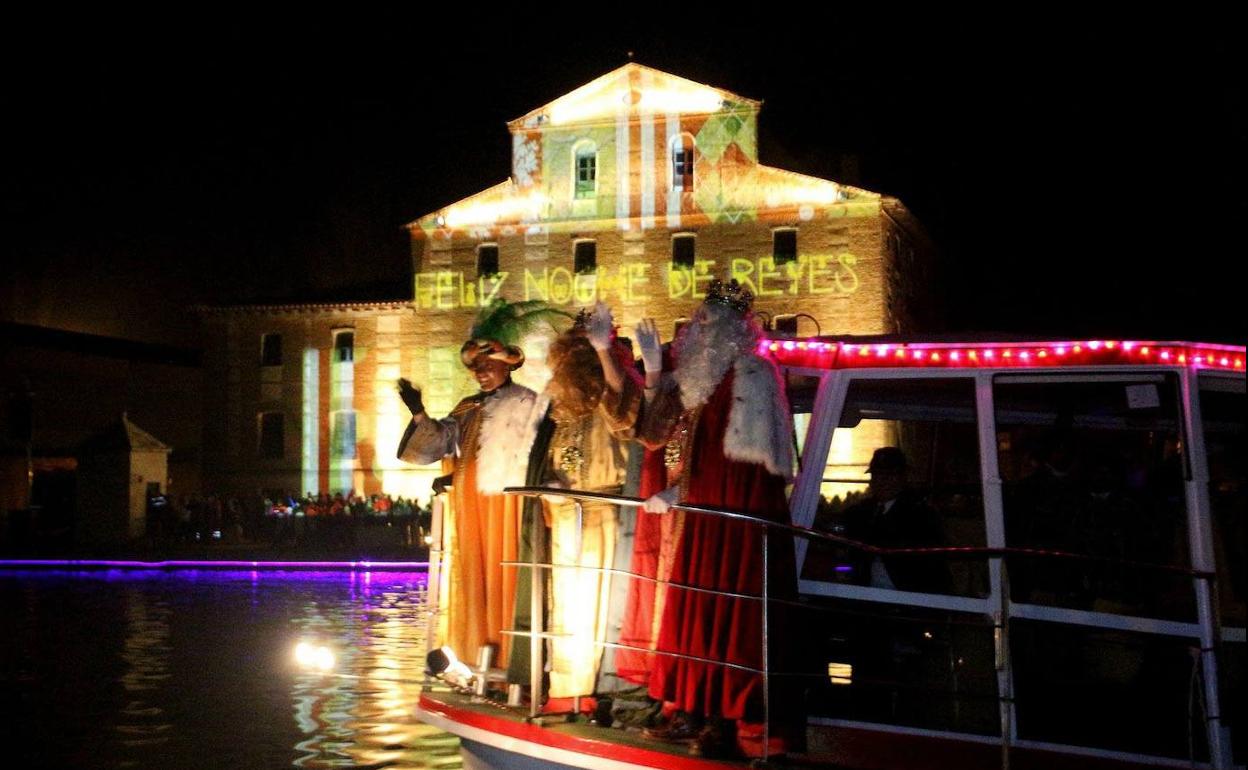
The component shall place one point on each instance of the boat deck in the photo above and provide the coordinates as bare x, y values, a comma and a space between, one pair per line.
496, 735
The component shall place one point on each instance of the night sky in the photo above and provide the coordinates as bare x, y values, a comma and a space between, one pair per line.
1079, 179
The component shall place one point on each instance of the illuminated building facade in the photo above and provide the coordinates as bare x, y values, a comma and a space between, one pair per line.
638, 189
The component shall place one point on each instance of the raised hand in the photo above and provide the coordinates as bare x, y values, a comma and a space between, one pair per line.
600, 322
648, 341
411, 397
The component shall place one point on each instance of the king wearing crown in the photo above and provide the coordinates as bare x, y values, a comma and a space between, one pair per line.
725, 422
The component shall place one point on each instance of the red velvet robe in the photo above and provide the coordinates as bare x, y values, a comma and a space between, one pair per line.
639, 627
716, 553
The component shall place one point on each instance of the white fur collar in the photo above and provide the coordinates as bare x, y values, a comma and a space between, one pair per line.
509, 423
760, 426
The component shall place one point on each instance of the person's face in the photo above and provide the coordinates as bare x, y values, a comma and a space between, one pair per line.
887, 483
490, 373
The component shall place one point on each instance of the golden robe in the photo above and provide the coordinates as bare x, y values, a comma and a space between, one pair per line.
586, 453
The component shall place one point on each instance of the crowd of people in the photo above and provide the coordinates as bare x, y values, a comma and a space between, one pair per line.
287, 520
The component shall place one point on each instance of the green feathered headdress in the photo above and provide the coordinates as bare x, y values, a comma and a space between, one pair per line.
502, 325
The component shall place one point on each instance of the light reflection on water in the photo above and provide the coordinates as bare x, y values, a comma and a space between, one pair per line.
195, 669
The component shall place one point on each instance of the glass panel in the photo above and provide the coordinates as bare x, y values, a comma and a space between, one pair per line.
487, 260
344, 346
272, 439
342, 436
1106, 689
903, 472
1223, 413
784, 246
906, 666
1094, 467
683, 250
585, 257
586, 175
271, 350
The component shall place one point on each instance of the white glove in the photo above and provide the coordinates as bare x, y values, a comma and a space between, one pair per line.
600, 322
648, 341
555, 499
661, 502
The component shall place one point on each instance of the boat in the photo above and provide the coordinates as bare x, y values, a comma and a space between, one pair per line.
1080, 602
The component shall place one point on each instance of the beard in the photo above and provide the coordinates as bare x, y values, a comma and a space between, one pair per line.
577, 383
704, 351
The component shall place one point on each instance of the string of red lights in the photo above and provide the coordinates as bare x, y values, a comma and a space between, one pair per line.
821, 353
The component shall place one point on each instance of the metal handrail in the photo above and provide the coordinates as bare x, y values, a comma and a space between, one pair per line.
875, 550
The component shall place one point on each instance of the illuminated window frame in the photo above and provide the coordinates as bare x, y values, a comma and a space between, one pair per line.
681, 168
584, 256
343, 354
271, 349
487, 260
584, 170
684, 255
781, 253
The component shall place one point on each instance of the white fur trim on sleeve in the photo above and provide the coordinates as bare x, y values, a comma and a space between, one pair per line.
508, 427
760, 426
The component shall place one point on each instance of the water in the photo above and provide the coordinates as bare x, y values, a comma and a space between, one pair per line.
195, 669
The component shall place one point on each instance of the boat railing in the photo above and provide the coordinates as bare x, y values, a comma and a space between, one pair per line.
998, 617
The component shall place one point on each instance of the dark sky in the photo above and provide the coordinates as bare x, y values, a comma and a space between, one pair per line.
1078, 178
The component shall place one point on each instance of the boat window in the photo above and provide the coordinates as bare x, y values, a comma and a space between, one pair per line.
903, 472
1223, 413
800, 390
1105, 689
1093, 466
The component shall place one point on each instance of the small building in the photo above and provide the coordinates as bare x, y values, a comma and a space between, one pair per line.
119, 470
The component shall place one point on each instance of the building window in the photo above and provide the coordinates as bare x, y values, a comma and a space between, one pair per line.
344, 347
682, 163
271, 350
586, 169
683, 249
487, 260
786, 324
584, 257
342, 436
784, 245
272, 441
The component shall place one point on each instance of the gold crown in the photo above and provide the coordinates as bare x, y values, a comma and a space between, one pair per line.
732, 294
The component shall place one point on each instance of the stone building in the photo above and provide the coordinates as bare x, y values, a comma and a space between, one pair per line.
638, 189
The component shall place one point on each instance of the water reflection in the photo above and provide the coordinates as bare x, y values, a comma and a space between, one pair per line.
196, 669
143, 721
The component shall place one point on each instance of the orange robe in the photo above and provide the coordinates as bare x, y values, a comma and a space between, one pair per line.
481, 527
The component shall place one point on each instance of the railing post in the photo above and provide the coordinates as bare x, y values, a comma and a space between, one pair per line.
766, 651
1200, 544
537, 602
433, 598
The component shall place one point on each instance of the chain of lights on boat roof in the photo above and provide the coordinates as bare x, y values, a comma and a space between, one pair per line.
820, 354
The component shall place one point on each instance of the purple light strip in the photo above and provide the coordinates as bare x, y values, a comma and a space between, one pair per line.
355, 566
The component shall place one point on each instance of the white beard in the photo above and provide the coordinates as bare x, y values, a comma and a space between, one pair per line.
705, 351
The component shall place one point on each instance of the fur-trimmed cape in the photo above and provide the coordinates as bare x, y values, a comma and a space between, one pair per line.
509, 424
760, 425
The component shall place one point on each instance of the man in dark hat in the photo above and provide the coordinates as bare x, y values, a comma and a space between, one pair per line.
894, 516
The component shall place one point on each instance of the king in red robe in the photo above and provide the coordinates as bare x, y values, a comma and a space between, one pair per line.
724, 420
